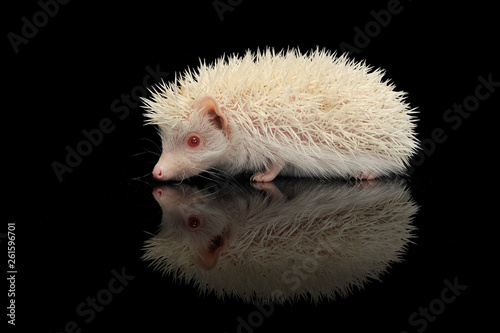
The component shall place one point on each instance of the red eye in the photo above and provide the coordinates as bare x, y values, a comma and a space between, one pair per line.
194, 141
193, 222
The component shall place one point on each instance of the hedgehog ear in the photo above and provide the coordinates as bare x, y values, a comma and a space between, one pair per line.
208, 105
207, 258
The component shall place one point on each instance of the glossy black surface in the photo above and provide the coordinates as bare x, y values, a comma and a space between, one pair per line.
81, 236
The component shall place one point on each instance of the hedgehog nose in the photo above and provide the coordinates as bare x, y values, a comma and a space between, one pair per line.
158, 173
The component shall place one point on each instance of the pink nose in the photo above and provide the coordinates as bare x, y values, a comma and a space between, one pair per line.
158, 173
158, 192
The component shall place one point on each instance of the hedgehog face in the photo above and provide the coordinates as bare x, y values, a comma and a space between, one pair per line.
194, 144
195, 220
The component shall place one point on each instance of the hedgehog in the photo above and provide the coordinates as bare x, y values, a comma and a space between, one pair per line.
265, 113
315, 240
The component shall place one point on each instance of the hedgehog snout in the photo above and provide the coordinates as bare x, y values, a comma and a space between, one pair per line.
174, 166
163, 171
158, 172
166, 168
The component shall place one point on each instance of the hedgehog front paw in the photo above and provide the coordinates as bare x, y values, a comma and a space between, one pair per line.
268, 175
270, 189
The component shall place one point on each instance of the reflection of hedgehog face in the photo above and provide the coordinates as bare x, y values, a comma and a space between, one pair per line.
315, 240
186, 215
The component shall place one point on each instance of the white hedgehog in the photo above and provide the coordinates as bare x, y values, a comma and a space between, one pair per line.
286, 113
314, 240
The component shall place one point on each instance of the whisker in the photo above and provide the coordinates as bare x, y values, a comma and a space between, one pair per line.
145, 152
153, 142
214, 173
182, 178
141, 179
221, 180
222, 173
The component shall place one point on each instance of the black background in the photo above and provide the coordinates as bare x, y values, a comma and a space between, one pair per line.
70, 235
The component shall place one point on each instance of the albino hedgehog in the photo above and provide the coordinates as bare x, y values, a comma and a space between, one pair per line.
305, 115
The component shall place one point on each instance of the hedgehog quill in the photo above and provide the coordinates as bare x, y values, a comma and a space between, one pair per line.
268, 113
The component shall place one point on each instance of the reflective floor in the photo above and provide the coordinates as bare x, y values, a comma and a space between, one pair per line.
314, 241
393, 255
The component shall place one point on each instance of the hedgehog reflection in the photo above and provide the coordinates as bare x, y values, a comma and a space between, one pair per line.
314, 240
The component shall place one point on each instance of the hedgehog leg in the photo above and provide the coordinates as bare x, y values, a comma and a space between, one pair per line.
268, 175
270, 189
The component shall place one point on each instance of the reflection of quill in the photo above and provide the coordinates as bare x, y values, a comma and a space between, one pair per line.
313, 240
